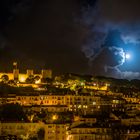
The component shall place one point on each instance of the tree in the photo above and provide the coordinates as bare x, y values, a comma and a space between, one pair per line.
30, 79
36, 78
12, 83
46, 80
5, 78
12, 112
4, 89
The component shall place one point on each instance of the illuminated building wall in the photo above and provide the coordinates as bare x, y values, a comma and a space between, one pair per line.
23, 76
96, 87
55, 131
86, 104
89, 133
20, 76
26, 130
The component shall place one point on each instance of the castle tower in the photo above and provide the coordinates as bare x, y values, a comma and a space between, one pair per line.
15, 71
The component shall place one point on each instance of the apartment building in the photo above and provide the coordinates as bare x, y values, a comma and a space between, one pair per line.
89, 131
27, 130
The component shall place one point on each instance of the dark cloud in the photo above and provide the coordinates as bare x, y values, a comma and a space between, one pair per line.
112, 24
10, 9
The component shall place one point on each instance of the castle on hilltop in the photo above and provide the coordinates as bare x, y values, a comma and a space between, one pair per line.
21, 77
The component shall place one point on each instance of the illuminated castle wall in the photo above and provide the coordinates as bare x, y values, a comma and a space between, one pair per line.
23, 76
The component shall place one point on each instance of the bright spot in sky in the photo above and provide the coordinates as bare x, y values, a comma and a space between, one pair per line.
127, 56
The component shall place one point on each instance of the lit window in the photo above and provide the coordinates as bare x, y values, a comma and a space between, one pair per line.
94, 103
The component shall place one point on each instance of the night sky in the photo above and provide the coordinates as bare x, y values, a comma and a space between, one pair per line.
78, 36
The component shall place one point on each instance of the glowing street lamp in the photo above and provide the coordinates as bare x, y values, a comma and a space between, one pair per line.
54, 117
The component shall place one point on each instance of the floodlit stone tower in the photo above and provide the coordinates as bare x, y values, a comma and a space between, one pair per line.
15, 71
